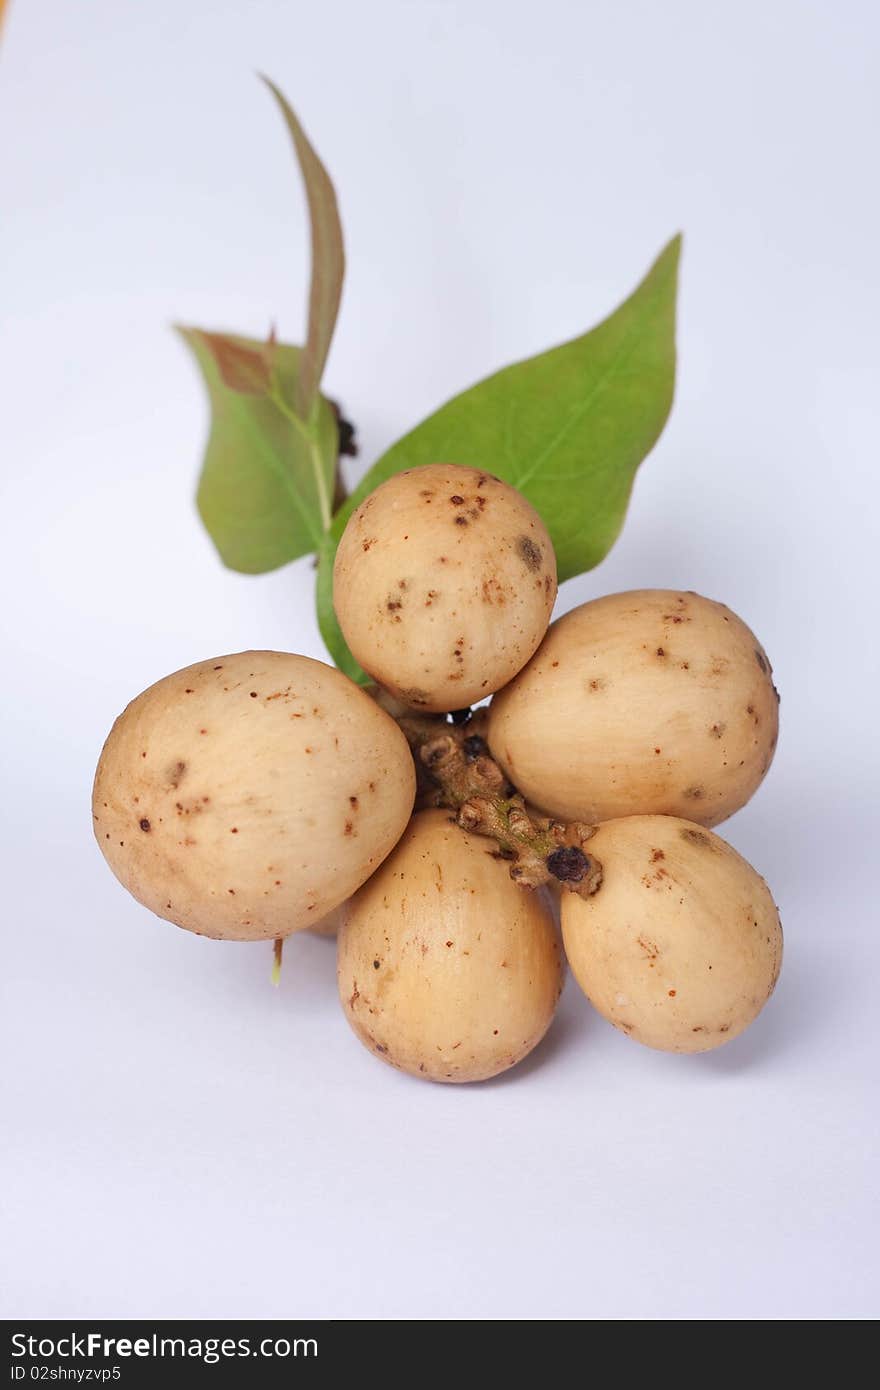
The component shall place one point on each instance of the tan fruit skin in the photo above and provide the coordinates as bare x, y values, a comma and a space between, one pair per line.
329, 925
247, 796
649, 701
682, 945
447, 970
444, 582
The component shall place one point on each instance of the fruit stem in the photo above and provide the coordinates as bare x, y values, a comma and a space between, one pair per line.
276, 962
457, 770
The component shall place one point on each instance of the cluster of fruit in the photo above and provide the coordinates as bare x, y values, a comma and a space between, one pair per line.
253, 795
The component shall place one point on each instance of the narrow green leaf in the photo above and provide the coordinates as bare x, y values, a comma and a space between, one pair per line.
328, 260
267, 478
568, 428
327, 621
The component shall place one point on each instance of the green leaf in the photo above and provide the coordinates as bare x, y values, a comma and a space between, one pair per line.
267, 478
327, 620
568, 428
328, 261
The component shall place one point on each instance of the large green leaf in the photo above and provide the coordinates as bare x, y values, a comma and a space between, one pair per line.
267, 477
328, 260
568, 428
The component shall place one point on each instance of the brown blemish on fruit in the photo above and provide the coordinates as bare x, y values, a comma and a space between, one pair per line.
699, 1029
456, 500
660, 651
234, 830
597, 683
657, 854
231, 892
253, 694
366, 544
671, 993
461, 521
658, 750
717, 730
694, 793
725, 1028
355, 995
762, 661
415, 696
353, 802
696, 837
349, 828
188, 690
174, 774
217, 668
685, 666
650, 948
432, 594
528, 552
144, 824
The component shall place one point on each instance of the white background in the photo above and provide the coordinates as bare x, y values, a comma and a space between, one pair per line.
179, 1138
